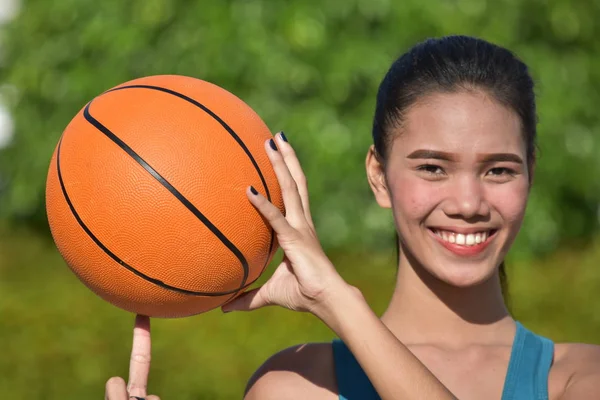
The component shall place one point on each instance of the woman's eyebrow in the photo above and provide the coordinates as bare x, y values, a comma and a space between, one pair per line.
445, 156
495, 157
432, 154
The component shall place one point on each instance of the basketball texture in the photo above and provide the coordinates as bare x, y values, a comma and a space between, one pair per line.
146, 200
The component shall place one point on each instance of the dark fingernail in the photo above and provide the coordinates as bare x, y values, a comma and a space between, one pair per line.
254, 192
283, 137
272, 144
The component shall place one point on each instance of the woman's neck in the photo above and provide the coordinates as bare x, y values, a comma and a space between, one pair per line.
425, 310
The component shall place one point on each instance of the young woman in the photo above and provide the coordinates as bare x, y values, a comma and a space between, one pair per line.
453, 157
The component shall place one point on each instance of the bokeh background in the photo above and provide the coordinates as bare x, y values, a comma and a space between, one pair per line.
310, 68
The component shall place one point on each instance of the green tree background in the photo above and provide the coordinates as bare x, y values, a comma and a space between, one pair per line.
310, 68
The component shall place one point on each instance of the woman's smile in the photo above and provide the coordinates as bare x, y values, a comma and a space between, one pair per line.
464, 242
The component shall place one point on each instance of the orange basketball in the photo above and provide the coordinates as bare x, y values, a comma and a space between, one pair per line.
146, 196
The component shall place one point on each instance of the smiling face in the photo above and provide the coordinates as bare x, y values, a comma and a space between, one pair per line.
457, 179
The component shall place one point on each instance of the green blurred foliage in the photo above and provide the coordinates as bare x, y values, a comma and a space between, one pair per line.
58, 340
310, 68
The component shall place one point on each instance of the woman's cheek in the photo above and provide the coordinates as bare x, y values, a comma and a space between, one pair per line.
510, 200
414, 196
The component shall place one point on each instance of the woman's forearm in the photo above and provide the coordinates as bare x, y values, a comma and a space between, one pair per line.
392, 369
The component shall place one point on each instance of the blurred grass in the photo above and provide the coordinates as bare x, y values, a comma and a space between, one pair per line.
60, 341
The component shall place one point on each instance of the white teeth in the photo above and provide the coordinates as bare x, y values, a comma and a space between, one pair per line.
470, 239
462, 239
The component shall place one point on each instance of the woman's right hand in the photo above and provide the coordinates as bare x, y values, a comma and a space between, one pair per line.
139, 367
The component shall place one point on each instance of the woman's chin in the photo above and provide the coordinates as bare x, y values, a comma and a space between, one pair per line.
464, 276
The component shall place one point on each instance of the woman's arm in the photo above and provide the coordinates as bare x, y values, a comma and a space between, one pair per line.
306, 280
392, 369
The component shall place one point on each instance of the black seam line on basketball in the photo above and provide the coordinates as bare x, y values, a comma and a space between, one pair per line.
113, 255
178, 195
214, 116
226, 127
248, 284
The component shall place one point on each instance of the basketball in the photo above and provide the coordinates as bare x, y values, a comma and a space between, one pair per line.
146, 196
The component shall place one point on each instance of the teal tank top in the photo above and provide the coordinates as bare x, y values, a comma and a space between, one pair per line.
526, 378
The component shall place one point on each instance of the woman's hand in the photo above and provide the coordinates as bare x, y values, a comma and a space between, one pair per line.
139, 367
306, 278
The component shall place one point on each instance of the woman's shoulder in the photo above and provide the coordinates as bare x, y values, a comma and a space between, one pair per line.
577, 356
576, 367
305, 371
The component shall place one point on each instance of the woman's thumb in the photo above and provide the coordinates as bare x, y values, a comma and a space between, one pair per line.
248, 301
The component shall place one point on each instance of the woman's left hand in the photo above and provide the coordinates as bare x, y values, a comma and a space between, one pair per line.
306, 278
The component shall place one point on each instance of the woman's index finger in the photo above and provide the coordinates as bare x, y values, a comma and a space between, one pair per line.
139, 365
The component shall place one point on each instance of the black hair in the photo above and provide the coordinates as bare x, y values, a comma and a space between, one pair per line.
453, 64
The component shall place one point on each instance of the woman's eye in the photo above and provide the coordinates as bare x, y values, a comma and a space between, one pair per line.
501, 171
431, 169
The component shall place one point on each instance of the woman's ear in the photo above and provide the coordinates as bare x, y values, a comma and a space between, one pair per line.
376, 177
531, 171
